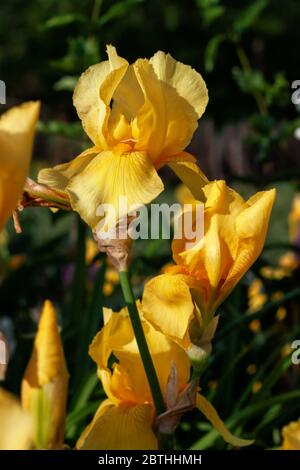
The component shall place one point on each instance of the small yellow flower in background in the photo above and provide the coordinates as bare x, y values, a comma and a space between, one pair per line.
294, 219
234, 234
16, 425
289, 261
286, 350
126, 420
111, 281
255, 326
155, 107
281, 313
291, 436
251, 369
91, 250
286, 265
17, 129
256, 387
45, 383
256, 295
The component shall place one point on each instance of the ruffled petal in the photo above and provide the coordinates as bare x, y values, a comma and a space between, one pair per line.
93, 94
168, 305
166, 122
120, 428
188, 83
17, 128
109, 177
211, 414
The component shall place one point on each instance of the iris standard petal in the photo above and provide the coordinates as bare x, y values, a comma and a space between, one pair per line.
188, 83
93, 94
166, 122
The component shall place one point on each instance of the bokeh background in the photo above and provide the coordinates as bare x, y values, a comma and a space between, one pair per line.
250, 135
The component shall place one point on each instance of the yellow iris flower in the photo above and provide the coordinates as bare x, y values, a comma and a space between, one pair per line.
17, 128
45, 383
234, 234
126, 419
155, 107
291, 436
38, 421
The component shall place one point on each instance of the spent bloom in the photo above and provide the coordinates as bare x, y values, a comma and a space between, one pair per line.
139, 118
17, 129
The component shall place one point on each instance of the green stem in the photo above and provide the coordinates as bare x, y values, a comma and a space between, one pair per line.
166, 441
142, 343
244, 61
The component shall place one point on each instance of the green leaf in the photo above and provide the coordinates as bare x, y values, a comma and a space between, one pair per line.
117, 10
210, 10
63, 20
248, 16
68, 82
211, 51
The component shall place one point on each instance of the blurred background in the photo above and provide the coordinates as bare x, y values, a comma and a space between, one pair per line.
249, 135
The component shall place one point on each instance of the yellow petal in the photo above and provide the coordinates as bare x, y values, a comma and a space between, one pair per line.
108, 177
211, 414
59, 176
128, 96
291, 436
168, 305
93, 94
120, 428
114, 334
17, 432
17, 128
128, 381
191, 175
251, 227
166, 122
45, 382
188, 83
